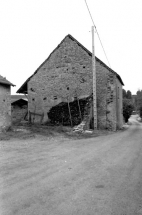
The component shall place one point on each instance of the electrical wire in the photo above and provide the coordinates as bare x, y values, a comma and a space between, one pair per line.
97, 33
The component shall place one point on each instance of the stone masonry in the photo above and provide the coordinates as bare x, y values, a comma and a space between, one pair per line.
66, 74
5, 106
5, 103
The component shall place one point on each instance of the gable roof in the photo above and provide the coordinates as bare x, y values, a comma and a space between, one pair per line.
23, 88
5, 81
20, 102
17, 97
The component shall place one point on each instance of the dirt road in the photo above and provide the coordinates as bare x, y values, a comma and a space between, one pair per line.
96, 176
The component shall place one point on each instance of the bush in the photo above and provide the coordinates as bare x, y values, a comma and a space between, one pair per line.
127, 109
141, 112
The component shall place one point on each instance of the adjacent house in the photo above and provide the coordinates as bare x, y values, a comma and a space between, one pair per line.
5, 102
66, 75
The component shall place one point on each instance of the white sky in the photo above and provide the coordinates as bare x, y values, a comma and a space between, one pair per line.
31, 29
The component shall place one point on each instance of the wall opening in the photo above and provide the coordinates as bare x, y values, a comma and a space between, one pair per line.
82, 80
55, 97
32, 89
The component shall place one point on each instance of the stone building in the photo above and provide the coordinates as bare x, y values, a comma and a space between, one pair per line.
67, 74
5, 102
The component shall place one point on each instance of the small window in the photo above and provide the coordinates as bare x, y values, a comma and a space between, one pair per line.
82, 80
68, 88
32, 89
33, 99
55, 97
44, 98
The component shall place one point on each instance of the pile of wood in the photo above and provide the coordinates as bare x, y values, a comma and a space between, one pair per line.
69, 113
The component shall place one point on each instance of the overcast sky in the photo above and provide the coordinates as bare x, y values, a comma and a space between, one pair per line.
31, 29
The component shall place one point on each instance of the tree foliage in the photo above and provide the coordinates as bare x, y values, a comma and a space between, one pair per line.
141, 112
127, 109
124, 94
127, 94
131, 102
139, 99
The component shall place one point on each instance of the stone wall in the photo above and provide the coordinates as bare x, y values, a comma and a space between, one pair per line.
5, 106
68, 74
101, 89
119, 104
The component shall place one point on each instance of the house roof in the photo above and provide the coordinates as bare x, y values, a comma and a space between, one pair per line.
19, 102
18, 97
23, 88
5, 81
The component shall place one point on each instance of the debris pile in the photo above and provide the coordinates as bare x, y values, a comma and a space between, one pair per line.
60, 114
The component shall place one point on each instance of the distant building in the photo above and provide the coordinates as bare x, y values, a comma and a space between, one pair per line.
5, 102
67, 74
19, 108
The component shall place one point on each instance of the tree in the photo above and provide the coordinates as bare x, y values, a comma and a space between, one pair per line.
124, 94
129, 94
141, 112
139, 99
127, 109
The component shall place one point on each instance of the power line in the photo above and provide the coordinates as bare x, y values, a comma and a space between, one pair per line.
90, 14
97, 33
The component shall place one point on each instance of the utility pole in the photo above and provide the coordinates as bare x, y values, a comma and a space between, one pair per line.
94, 81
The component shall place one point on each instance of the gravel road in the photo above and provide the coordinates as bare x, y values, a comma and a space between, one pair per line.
94, 176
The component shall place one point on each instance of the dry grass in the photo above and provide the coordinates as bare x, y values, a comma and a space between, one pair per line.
26, 131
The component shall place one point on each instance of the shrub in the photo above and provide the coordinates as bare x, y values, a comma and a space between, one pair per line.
141, 112
127, 109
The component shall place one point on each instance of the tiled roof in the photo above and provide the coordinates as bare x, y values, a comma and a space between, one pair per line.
5, 81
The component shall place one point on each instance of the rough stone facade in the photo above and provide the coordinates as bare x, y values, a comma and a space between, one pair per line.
119, 105
67, 74
5, 106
